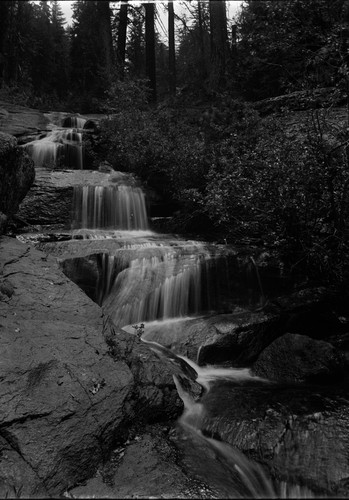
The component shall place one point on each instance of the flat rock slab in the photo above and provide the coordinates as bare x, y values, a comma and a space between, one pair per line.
61, 394
20, 120
49, 202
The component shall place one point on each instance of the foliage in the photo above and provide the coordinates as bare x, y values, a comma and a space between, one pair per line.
289, 192
91, 47
34, 50
290, 45
248, 177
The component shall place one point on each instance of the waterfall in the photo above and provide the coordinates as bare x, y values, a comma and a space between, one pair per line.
174, 284
113, 207
45, 152
74, 122
60, 147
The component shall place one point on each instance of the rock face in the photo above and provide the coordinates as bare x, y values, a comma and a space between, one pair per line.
62, 396
70, 381
236, 338
145, 466
50, 200
20, 120
239, 338
299, 432
298, 358
17, 175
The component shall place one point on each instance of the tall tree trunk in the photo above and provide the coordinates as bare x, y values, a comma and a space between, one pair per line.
171, 48
150, 47
201, 42
106, 34
121, 43
219, 39
4, 27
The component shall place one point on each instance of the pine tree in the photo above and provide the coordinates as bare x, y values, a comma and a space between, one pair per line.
121, 38
150, 47
135, 48
171, 48
60, 74
219, 41
91, 47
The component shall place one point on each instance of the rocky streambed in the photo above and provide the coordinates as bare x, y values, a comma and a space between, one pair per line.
78, 392
89, 408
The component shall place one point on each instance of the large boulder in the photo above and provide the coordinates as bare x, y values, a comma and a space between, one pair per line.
71, 381
62, 395
298, 432
145, 466
239, 338
236, 338
298, 358
17, 175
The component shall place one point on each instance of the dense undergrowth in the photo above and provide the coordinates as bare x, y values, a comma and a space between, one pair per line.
243, 178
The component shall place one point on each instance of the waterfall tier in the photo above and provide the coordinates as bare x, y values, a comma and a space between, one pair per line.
61, 147
114, 207
171, 283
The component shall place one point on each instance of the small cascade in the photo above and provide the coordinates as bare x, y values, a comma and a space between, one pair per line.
226, 469
46, 152
61, 147
160, 287
74, 122
113, 207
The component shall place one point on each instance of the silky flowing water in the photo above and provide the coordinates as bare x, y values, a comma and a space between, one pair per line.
145, 278
62, 145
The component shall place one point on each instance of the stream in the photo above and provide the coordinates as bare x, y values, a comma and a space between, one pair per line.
157, 285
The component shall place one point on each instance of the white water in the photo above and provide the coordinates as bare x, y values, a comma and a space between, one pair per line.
115, 207
156, 283
209, 374
60, 145
229, 470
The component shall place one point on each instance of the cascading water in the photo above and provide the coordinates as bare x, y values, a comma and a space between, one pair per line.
151, 278
146, 281
61, 146
74, 122
229, 472
162, 287
113, 207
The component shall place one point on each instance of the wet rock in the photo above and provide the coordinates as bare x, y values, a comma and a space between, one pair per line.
50, 200
20, 120
236, 338
154, 396
144, 467
240, 338
17, 175
63, 397
300, 433
298, 358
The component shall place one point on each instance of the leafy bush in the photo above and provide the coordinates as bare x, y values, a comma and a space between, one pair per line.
287, 191
250, 178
